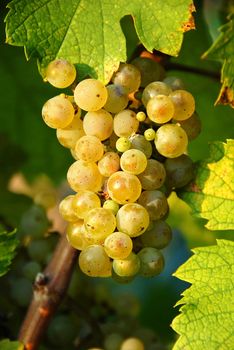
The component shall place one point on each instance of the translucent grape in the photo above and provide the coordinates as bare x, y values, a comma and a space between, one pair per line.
66, 209
180, 171
175, 83
150, 70
100, 222
132, 343
153, 176
171, 140
141, 116
127, 267
132, 219
125, 123
112, 205
123, 187
34, 222
152, 262
128, 76
123, 144
159, 236
160, 109
118, 245
84, 201
60, 73
99, 124
90, 95
109, 164
84, 176
89, 148
192, 126
58, 112
76, 235
184, 104
94, 262
71, 134
149, 134
133, 161
155, 202
154, 89
139, 142
117, 100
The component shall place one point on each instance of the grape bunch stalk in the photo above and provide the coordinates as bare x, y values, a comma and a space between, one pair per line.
129, 140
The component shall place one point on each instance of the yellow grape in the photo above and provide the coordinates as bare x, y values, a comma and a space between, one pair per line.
94, 262
116, 100
154, 89
125, 123
184, 104
76, 235
89, 148
100, 222
128, 76
58, 112
127, 267
160, 109
109, 164
60, 73
69, 135
66, 209
84, 201
99, 124
132, 344
118, 245
133, 161
90, 95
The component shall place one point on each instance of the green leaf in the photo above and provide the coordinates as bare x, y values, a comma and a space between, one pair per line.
207, 316
89, 32
211, 194
8, 244
223, 50
6, 344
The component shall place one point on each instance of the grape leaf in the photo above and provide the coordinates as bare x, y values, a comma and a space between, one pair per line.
8, 244
207, 315
89, 32
6, 344
223, 50
211, 194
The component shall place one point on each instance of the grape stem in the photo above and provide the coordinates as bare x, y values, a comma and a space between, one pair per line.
49, 289
195, 70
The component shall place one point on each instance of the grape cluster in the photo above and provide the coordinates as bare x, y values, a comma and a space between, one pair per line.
129, 140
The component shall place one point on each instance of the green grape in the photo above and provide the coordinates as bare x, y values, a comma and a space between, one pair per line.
180, 171
125, 123
127, 267
117, 100
192, 126
123, 144
38, 250
160, 109
113, 341
68, 136
152, 262
141, 116
132, 344
21, 291
132, 219
118, 245
89, 148
62, 331
66, 209
100, 222
83, 202
112, 205
175, 83
98, 123
123, 187
155, 202
94, 262
153, 176
139, 142
34, 222
149, 134
159, 236
60, 73
150, 70
133, 161
128, 76
109, 164
90, 95
76, 235
154, 89
184, 104
31, 269
84, 176
58, 112
171, 140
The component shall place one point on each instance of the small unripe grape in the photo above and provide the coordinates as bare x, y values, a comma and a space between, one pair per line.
160, 109
125, 123
89, 148
94, 262
112, 205
141, 116
132, 344
149, 134
66, 209
128, 76
184, 104
58, 112
127, 267
98, 123
152, 262
117, 100
90, 95
123, 144
60, 73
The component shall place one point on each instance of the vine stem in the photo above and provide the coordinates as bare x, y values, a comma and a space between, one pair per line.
49, 289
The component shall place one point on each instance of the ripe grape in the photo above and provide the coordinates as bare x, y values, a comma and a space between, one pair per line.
109, 164
180, 171
66, 209
117, 100
125, 123
192, 126
171, 140
159, 236
83, 202
118, 245
112, 205
175, 83
123, 144
127, 267
153, 176
89, 148
155, 202
58, 112
132, 219
69, 135
76, 235
60, 73
152, 262
160, 109
132, 343
123, 187
94, 261
184, 104
90, 95
99, 124
154, 89
133, 161
150, 70
139, 142
100, 222
128, 76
